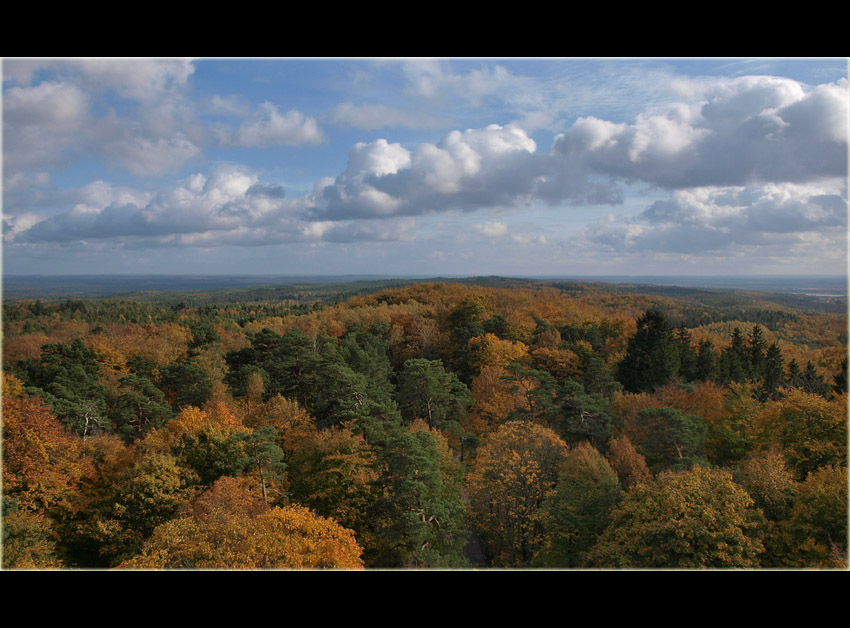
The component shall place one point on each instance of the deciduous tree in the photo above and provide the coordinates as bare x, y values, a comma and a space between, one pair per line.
698, 518
809, 429
234, 531
579, 508
511, 475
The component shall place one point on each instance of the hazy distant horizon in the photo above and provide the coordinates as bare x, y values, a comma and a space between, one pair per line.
115, 283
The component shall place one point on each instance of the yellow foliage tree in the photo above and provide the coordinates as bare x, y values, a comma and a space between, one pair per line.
492, 399
511, 475
809, 429
492, 350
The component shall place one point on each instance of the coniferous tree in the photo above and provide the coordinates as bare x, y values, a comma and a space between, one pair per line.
670, 437
597, 378
706, 362
840, 381
756, 353
652, 356
68, 378
794, 377
186, 384
427, 391
773, 374
584, 417
734, 360
687, 355
140, 407
417, 519
813, 382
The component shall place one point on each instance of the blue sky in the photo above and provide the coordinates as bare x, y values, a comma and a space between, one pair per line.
417, 166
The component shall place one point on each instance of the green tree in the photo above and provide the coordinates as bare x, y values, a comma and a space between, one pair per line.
139, 408
734, 361
427, 391
185, 384
756, 353
264, 457
652, 356
687, 355
211, 452
706, 362
417, 519
579, 508
289, 362
668, 436
597, 378
584, 417
813, 382
465, 324
68, 379
772, 374
368, 354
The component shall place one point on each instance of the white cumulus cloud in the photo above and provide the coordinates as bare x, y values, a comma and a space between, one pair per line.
739, 131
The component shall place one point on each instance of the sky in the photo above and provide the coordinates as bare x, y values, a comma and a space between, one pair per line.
428, 167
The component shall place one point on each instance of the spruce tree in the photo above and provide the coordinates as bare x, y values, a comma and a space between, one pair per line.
652, 355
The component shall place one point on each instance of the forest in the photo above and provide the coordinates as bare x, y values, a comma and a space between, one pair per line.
470, 424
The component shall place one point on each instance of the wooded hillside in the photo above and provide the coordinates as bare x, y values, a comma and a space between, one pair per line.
477, 423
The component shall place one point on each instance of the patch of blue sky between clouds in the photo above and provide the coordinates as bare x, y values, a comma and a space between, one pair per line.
539, 166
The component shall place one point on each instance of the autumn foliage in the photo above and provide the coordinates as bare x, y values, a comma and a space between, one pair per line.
229, 529
470, 423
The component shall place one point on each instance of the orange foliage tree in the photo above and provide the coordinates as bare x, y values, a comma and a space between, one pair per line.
230, 529
42, 461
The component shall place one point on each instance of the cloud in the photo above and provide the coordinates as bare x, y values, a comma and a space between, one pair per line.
492, 229
739, 131
752, 163
714, 220
42, 124
136, 79
229, 207
74, 112
477, 168
60, 105
430, 78
268, 127
371, 117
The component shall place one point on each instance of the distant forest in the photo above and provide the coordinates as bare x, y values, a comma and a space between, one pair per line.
405, 424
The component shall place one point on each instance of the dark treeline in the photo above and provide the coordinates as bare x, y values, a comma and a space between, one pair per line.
555, 424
